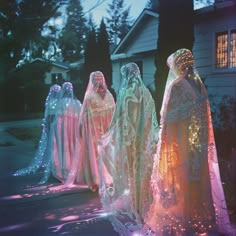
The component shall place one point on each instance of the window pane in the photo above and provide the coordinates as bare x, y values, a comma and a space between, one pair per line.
232, 59
221, 50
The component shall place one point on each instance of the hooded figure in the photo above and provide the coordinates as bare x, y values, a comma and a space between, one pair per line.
188, 197
126, 154
65, 134
96, 114
42, 155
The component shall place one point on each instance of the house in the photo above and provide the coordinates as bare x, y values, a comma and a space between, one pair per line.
50, 71
138, 46
59, 72
214, 47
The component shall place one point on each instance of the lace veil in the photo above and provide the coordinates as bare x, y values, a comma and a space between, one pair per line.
126, 154
42, 154
186, 184
96, 114
64, 134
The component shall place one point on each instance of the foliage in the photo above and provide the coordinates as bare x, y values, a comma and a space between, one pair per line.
153, 4
104, 62
91, 55
118, 21
21, 25
97, 55
223, 111
72, 40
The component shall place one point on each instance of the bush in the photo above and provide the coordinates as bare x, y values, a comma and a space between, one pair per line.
224, 122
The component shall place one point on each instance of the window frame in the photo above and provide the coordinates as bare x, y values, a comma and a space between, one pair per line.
229, 33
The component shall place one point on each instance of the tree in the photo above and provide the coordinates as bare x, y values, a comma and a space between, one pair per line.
91, 56
153, 4
91, 24
104, 61
176, 30
118, 21
72, 40
21, 23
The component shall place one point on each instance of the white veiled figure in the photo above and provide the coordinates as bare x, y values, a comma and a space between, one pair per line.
65, 134
126, 154
186, 183
44, 147
95, 117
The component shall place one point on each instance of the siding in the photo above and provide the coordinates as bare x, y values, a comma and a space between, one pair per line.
139, 45
218, 82
146, 39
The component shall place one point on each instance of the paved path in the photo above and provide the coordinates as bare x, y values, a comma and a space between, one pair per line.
29, 210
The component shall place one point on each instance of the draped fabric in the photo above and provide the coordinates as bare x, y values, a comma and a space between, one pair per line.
95, 117
188, 197
44, 149
64, 134
126, 154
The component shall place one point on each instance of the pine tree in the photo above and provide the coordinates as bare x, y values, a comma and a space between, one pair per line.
72, 40
104, 61
118, 21
91, 24
22, 24
175, 31
91, 56
153, 4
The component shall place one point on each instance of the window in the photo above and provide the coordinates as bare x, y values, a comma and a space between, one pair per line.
57, 78
226, 49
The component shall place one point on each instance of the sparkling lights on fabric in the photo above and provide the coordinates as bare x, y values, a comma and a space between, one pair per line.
59, 134
188, 197
126, 154
41, 157
95, 117
64, 134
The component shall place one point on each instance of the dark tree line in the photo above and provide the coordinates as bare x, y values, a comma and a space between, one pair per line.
97, 55
21, 25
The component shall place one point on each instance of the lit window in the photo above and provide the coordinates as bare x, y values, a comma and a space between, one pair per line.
226, 49
56, 77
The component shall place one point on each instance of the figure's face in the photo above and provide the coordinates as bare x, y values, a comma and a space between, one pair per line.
98, 84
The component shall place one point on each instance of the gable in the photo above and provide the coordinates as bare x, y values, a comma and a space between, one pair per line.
142, 37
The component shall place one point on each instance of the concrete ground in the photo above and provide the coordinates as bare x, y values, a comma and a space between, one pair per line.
29, 210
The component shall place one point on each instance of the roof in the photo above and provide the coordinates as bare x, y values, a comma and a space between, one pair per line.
134, 29
54, 63
217, 6
36, 65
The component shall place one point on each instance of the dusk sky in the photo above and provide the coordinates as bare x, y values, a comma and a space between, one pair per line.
100, 11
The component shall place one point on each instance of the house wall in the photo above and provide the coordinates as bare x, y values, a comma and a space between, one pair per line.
219, 82
146, 39
140, 46
148, 69
55, 69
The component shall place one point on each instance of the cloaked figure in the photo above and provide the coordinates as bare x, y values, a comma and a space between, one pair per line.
126, 154
45, 148
186, 183
95, 118
65, 134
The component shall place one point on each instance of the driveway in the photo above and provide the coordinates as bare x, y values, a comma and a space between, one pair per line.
27, 209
